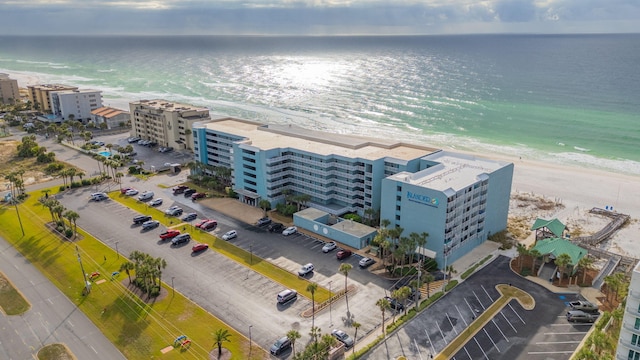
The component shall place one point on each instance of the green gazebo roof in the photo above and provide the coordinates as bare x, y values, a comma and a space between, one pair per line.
557, 246
554, 225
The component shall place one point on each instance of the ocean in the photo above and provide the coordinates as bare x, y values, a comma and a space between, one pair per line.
565, 99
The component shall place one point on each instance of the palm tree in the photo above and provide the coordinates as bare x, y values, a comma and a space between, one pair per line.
402, 295
344, 269
450, 270
356, 325
72, 216
293, 335
312, 287
562, 261
611, 283
315, 332
535, 255
522, 252
585, 264
119, 176
428, 278
127, 266
220, 336
264, 205
160, 264
384, 305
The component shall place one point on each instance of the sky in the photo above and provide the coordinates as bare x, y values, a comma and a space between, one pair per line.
316, 17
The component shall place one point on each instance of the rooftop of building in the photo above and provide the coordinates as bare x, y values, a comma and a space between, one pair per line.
347, 226
108, 112
53, 87
165, 105
452, 171
77, 91
267, 137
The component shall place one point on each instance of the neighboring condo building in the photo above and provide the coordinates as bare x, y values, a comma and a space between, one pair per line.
39, 95
111, 117
418, 188
167, 123
9, 91
76, 104
629, 340
458, 199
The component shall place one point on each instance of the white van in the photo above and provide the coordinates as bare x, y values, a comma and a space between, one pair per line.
287, 295
146, 195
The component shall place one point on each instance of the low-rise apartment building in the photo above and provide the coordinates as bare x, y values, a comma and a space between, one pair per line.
75, 104
9, 91
167, 123
111, 117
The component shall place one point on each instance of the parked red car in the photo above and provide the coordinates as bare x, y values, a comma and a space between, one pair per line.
202, 222
199, 247
125, 189
169, 234
211, 224
343, 254
197, 196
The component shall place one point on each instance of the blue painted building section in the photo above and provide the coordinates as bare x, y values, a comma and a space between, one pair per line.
459, 202
344, 231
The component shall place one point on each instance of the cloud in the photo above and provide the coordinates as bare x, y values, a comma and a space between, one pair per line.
314, 17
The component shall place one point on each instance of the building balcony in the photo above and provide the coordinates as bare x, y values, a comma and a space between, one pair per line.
630, 328
631, 311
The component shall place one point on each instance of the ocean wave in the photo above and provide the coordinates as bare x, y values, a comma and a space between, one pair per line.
38, 62
581, 149
106, 70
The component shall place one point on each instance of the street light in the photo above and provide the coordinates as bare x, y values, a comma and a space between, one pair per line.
330, 299
173, 290
118, 252
250, 326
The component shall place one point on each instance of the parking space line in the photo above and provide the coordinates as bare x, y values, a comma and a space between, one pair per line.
486, 292
514, 310
477, 343
461, 317
470, 308
477, 298
490, 338
450, 322
494, 323
508, 322
430, 342
417, 347
467, 351
441, 334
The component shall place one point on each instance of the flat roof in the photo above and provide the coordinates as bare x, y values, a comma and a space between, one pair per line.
267, 137
454, 170
166, 105
347, 226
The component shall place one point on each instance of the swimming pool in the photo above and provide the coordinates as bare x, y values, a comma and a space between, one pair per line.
105, 153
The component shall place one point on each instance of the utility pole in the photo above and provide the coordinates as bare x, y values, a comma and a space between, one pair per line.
250, 342
84, 275
330, 299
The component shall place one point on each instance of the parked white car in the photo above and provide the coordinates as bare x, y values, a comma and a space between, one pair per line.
290, 230
231, 234
306, 269
146, 195
131, 192
330, 246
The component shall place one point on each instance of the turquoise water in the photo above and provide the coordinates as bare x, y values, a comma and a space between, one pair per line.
569, 99
105, 153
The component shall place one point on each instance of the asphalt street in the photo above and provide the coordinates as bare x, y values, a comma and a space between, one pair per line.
52, 318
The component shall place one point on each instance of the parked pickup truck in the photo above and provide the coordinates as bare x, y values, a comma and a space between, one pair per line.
583, 305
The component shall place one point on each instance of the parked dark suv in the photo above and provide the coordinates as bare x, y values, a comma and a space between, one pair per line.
189, 192
395, 305
280, 346
139, 219
275, 227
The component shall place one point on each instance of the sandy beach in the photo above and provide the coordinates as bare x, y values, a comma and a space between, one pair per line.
575, 189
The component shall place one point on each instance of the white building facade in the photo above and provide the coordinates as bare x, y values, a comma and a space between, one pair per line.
79, 103
629, 340
9, 92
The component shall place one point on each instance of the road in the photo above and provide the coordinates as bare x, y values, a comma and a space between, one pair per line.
51, 319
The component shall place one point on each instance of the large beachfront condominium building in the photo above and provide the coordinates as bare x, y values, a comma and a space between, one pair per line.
111, 117
76, 104
629, 340
9, 92
340, 174
167, 123
458, 199
39, 95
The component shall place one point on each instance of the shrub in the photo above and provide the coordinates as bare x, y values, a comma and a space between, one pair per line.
86, 182
68, 233
451, 285
353, 217
62, 188
525, 271
430, 265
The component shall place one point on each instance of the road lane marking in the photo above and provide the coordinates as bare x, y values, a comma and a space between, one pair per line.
514, 311
477, 298
486, 292
503, 335
461, 317
441, 334
450, 322
508, 322
92, 348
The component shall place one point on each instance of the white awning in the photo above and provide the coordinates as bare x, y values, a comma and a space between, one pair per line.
426, 252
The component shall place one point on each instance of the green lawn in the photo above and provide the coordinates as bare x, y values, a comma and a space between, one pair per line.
11, 301
54, 352
275, 273
138, 329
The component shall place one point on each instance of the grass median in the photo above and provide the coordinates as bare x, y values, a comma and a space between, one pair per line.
138, 329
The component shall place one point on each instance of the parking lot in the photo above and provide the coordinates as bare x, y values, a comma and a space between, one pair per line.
513, 333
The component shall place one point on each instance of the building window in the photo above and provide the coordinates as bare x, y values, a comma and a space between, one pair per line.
633, 355
399, 188
635, 340
637, 324
398, 207
398, 198
397, 217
